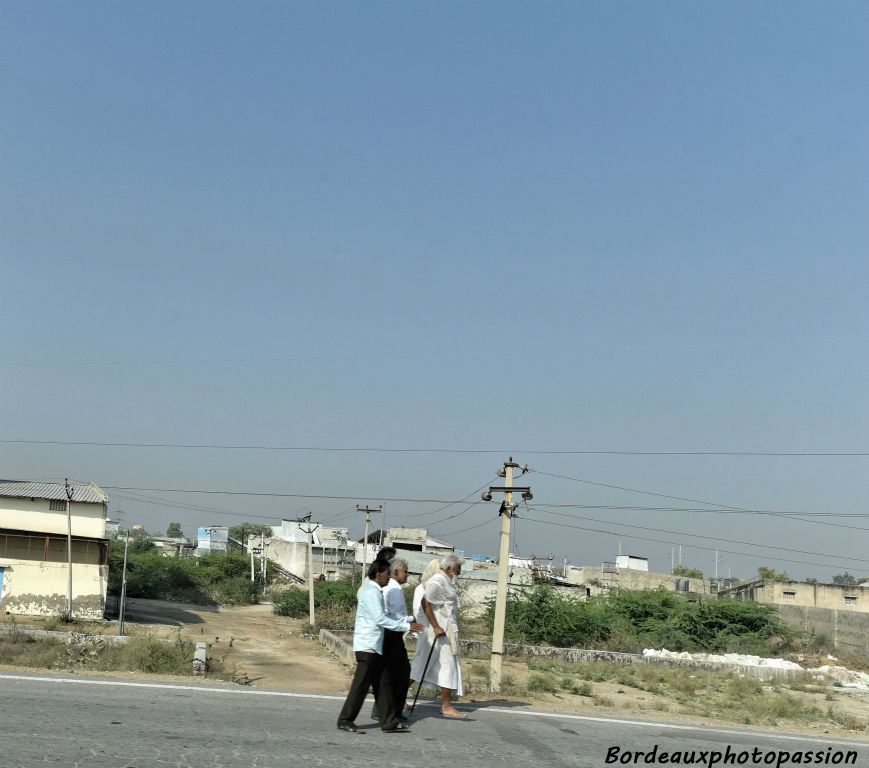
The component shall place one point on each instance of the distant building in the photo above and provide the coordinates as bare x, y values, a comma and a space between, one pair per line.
211, 539
632, 563
598, 579
802, 593
34, 558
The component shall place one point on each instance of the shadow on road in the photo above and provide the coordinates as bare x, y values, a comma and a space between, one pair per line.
164, 612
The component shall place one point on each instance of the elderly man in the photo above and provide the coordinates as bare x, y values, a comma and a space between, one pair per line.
394, 652
371, 620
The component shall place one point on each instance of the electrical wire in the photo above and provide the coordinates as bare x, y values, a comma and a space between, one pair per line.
372, 449
682, 534
445, 506
695, 546
722, 507
268, 494
463, 530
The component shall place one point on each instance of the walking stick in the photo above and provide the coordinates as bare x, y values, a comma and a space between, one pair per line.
424, 670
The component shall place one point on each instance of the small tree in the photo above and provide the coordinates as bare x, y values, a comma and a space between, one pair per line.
770, 574
687, 572
845, 579
174, 531
243, 530
141, 541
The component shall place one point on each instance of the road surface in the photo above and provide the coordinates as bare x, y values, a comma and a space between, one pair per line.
47, 720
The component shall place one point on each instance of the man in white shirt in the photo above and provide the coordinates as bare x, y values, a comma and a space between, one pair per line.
371, 619
394, 650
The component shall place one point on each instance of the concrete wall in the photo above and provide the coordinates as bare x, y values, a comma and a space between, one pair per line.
599, 580
802, 594
33, 585
474, 593
847, 630
293, 556
35, 515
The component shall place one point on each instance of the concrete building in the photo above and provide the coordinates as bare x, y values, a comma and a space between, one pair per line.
332, 555
802, 593
210, 539
410, 539
599, 579
34, 563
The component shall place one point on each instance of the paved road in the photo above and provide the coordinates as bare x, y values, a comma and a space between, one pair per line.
119, 724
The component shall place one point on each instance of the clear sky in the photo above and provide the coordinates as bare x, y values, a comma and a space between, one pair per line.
509, 227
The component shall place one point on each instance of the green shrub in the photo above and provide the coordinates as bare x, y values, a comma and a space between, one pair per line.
335, 596
542, 683
628, 621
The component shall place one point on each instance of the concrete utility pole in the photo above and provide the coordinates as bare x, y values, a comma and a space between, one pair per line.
69, 494
262, 539
367, 511
506, 512
310, 531
250, 549
123, 607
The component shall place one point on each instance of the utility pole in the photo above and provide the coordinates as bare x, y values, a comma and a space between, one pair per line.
506, 512
367, 511
69, 493
262, 539
251, 549
123, 607
310, 531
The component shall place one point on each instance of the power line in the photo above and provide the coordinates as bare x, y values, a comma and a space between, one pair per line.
754, 555
375, 449
266, 494
463, 530
722, 507
452, 503
700, 536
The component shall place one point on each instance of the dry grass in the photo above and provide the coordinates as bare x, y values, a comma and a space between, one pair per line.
143, 654
724, 696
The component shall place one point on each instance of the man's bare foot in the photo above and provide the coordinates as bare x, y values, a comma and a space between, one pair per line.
452, 712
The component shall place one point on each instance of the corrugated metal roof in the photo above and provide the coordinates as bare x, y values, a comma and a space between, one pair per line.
21, 489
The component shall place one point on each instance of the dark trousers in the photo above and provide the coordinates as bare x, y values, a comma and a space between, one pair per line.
371, 672
398, 666
395, 657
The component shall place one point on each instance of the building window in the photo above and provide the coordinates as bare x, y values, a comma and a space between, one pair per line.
57, 505
790, 595
850, 599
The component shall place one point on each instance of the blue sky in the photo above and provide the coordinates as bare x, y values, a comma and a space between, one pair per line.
559, 227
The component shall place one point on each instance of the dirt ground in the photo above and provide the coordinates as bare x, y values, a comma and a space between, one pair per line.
271, 651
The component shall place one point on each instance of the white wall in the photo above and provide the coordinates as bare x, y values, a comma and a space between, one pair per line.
34, 515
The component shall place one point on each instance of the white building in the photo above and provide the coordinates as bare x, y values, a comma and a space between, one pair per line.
34, 560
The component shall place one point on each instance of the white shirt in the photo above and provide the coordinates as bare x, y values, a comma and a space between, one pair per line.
393, 597
371, 620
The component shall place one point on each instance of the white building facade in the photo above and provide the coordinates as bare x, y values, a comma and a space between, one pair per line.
34, 554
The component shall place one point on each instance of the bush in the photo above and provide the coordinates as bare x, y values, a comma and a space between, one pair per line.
205, 580
631, 620
337, 597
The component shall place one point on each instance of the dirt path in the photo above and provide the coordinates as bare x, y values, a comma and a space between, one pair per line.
268, 649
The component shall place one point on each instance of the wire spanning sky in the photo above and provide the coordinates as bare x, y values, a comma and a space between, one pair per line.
309, 255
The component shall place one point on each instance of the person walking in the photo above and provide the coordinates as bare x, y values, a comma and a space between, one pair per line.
394, 651
441, 606
371, 621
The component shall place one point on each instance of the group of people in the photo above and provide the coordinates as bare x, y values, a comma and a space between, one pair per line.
382, 620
